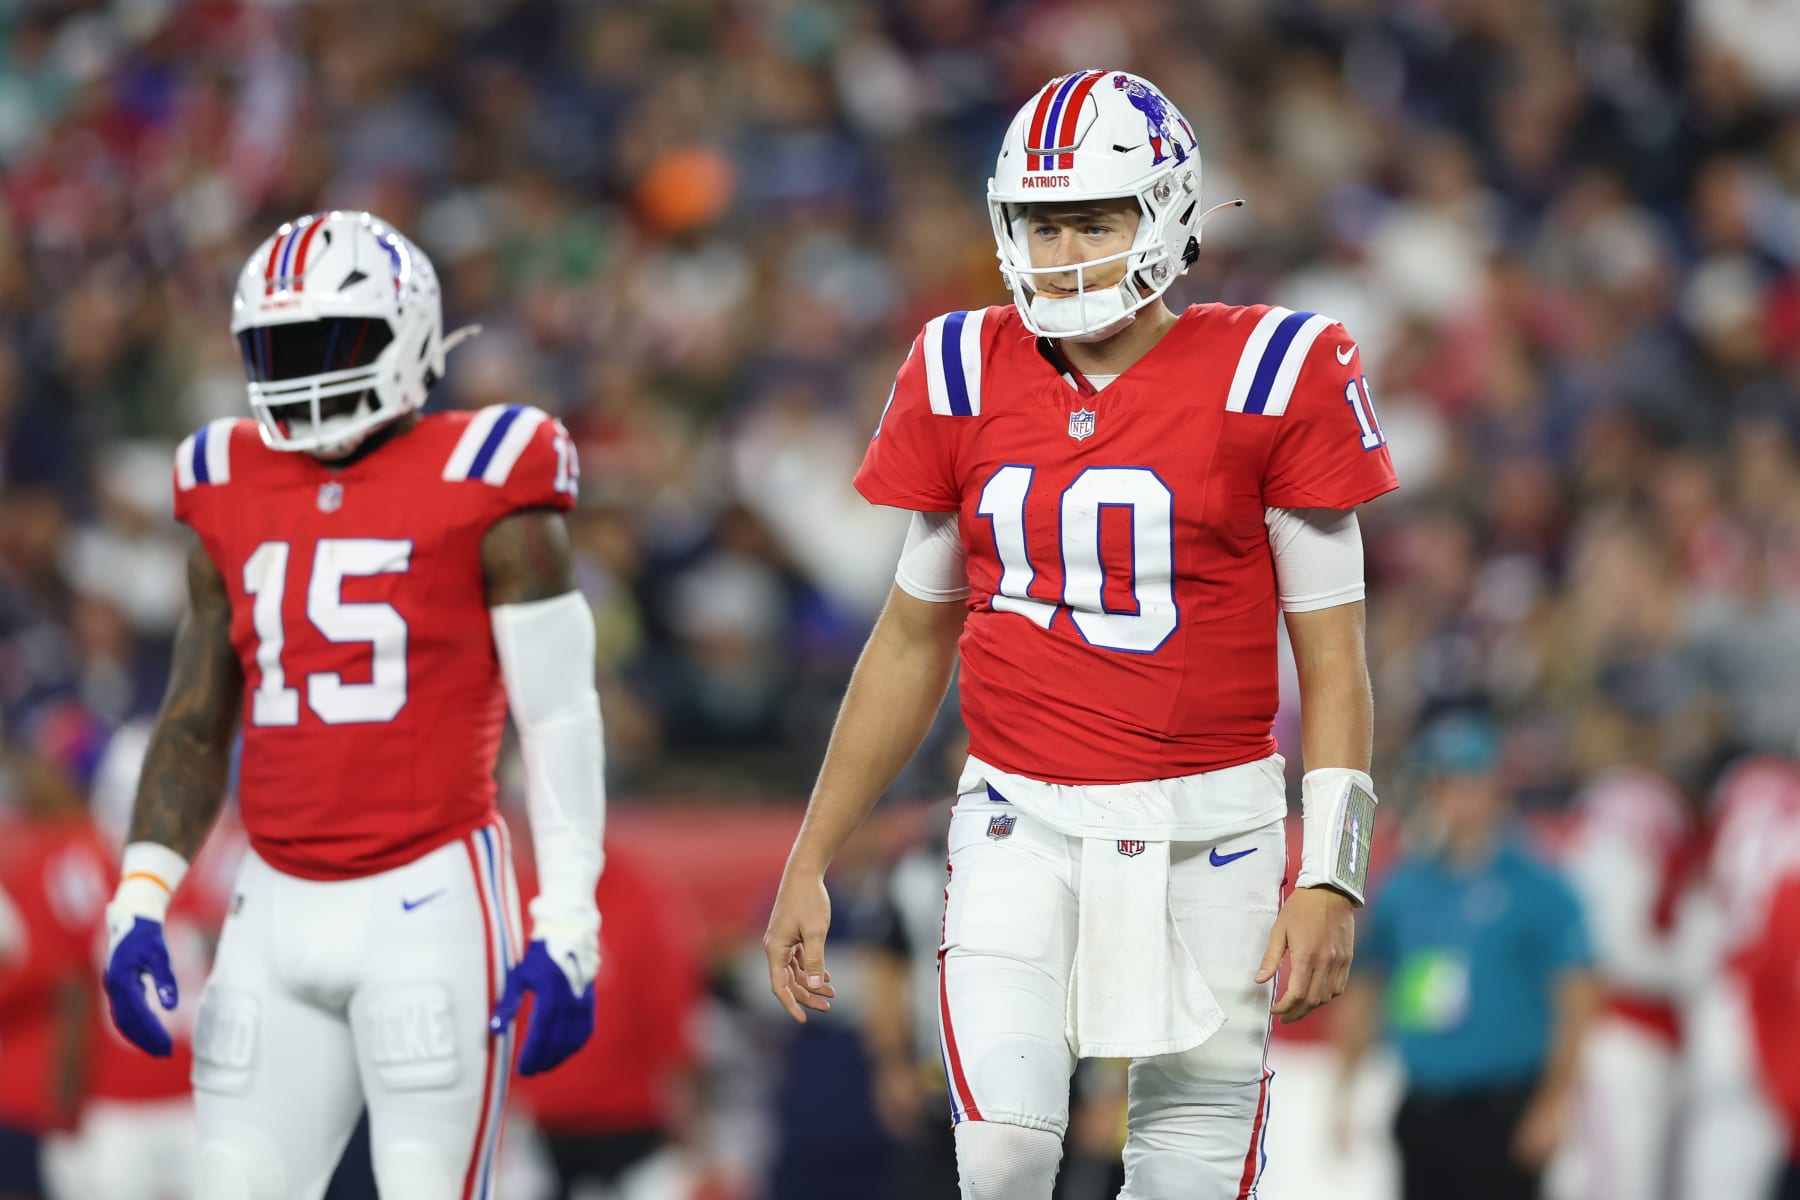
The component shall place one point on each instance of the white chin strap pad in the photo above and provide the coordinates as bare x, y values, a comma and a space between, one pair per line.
1062, 316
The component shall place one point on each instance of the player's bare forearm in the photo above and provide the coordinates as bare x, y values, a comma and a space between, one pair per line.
1578, 997
1337, 705
525, 556
894, 693
183, 781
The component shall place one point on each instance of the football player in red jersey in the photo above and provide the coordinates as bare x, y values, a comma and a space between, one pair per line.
370, 589
1113, 503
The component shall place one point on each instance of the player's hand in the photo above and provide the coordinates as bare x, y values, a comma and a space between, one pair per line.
1540, 1130
795, 945
558, 970
1317, 931
135, 948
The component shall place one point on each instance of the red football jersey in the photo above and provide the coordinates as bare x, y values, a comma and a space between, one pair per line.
57, 874
1123, 605
373, 706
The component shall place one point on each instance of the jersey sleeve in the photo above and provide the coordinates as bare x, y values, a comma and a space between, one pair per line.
1329, 451
910, 462
203, 464
522, 453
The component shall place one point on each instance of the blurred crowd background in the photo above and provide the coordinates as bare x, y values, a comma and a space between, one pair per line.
1566, 234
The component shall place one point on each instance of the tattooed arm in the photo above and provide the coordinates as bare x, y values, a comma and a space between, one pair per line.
544, 639
526, 557
183, 783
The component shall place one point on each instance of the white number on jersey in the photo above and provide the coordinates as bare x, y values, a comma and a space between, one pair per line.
1152, 505
376, 623
1363, 405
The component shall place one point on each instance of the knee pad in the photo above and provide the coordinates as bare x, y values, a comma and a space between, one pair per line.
1006, 1162
413, 1171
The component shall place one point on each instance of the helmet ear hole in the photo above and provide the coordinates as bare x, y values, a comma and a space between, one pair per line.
1191, 253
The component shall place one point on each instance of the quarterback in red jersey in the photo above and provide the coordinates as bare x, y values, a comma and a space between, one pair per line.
369, 590
1114, 504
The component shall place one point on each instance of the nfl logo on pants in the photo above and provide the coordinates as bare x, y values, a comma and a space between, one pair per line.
1001, 826
1131, 849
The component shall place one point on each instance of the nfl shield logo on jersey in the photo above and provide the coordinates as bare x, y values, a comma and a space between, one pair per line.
1131, 849
1001, 826
1081, 424
331, 496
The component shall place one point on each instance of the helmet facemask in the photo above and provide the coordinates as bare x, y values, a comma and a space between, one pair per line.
1092, 315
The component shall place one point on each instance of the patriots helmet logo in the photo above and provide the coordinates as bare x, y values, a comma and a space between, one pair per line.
1158, 121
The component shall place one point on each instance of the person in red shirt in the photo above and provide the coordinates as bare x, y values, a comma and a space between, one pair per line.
370, 589
54, 869
1771, 970
1114, 505
624, 1097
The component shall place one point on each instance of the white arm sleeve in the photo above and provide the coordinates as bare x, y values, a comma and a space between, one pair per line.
546, 650
932, 564
1318, 557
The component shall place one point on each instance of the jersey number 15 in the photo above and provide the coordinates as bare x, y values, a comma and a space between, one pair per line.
376, 623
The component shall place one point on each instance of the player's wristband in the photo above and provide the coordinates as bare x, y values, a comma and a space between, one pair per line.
147, 880
1339, 814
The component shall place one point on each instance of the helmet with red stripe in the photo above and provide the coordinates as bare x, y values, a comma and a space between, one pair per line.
1098, 135
340, 323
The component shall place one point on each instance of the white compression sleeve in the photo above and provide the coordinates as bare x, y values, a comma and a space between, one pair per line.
1318, 557
932, 564
546, 651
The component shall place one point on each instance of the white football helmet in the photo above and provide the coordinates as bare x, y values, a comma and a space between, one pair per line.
1098, 135
340, 322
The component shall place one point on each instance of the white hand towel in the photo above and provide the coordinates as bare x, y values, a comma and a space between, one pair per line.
1137, 991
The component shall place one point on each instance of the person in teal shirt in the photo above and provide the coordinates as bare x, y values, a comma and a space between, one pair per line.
1475, 957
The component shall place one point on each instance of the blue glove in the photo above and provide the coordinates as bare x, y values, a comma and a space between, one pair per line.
138, 950
562, 981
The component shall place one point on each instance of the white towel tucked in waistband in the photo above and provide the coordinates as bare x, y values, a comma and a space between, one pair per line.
1137, 991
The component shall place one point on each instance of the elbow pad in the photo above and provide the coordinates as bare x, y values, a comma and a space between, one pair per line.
546, 651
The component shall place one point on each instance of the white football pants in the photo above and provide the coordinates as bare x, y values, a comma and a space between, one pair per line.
1196, 1118
1731, 1139
329, 996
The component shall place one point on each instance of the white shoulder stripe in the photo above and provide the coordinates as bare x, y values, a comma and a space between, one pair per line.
469, 445
218, 449
1283, 388
953, 363
971, 358
184, 463
512, 445
935, 387
1251, 357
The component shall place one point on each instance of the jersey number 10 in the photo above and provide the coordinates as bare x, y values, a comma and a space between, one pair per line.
1140, 630
378, 624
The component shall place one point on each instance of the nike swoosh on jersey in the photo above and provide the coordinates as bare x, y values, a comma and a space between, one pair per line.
1343, 355
1219, 860
409, 905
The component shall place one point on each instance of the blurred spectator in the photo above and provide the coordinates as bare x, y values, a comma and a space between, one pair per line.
55, 871
1772, 972
1633, 854
1731, 1141
1475, 954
